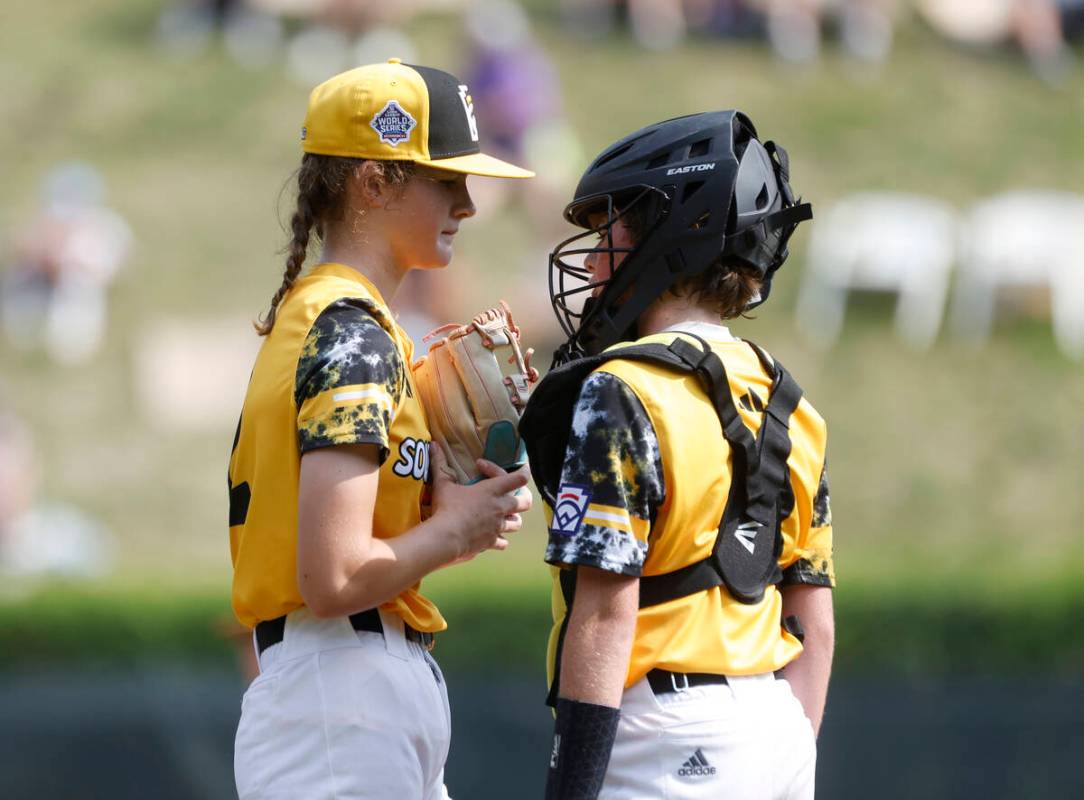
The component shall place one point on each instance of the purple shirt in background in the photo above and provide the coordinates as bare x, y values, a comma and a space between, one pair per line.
513, 90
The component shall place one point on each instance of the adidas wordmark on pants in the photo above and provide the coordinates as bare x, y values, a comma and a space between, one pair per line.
746, 740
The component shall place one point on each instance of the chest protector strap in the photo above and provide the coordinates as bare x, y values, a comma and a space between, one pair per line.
746, 552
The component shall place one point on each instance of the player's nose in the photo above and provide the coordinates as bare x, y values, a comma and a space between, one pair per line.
464, 205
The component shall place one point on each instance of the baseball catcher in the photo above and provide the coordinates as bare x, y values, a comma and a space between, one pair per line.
684, 471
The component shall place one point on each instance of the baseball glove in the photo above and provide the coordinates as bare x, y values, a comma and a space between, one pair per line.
473, 395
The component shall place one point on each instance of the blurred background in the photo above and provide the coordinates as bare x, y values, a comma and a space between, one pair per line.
933, 312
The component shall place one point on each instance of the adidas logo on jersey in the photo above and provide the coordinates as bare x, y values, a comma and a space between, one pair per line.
696, 766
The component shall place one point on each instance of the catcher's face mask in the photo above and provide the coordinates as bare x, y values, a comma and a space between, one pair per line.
582, 266
715, 191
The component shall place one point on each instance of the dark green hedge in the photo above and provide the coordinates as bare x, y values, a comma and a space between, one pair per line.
880, 630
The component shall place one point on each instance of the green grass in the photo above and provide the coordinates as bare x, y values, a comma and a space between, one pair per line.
925, 628
954, 467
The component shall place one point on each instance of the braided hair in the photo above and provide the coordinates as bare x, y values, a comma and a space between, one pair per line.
321, 199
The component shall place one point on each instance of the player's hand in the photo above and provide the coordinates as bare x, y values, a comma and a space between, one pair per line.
480, 515
512, 522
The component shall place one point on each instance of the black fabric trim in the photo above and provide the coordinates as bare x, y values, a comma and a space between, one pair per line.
381, 446
802, 572
270, 632
793, 625
596, 564
240, 497
449, 131
568, 592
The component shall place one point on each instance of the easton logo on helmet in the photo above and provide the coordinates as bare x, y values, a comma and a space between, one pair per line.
690, 168
393, 124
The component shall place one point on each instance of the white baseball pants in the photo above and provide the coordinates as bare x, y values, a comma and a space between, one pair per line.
339, 714
745, 740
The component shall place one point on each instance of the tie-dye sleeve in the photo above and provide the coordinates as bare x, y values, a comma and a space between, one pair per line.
348, 382
611, 483
814, 565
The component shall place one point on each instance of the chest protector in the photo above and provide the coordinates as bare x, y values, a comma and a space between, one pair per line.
760, 495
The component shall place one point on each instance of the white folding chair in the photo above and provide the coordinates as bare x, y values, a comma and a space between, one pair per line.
1023, 239
882, 241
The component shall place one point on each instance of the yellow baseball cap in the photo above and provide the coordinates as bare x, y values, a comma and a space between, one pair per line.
400, 112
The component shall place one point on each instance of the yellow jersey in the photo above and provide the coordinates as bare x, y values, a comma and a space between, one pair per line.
334, 370
645, 480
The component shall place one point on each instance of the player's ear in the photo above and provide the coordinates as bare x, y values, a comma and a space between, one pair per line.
370, 187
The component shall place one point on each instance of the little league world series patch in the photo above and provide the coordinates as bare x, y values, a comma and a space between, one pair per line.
393, 124
572, 502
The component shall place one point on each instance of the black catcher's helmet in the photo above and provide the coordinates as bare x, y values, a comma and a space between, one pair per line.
706, 187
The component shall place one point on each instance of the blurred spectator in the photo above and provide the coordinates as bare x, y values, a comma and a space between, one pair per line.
334, 35
251, 36
339, 34
518, 102
1037, 27
513, 84
656, 24
727, 18
39, 539
795, 26
53, 292
590, 19
1072, 17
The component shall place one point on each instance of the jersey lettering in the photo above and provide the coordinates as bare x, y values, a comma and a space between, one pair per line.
413, 459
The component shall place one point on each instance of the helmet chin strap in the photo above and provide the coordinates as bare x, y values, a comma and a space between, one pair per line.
605, 324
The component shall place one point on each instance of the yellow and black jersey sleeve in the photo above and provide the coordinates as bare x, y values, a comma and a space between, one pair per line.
611, 483
349, 380
814, 565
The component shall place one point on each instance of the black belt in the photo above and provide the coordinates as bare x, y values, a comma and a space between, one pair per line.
663, 680
271, 631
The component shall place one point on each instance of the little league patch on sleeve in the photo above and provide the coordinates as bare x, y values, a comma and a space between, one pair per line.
393, 124
571, 506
